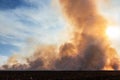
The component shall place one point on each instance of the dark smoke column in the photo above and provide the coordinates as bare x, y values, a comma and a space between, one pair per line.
90, 42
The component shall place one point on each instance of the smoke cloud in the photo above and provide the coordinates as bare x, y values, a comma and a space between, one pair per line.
91, 43
89, 48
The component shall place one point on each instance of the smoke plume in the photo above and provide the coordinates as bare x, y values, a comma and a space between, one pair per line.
89, 41
89, 48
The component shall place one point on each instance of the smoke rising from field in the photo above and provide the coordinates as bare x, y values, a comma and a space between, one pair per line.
89, 48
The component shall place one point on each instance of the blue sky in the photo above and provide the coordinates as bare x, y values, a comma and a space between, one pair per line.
24, 23
10, 4
27, 23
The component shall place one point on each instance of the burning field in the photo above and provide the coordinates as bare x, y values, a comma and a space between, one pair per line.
88, 48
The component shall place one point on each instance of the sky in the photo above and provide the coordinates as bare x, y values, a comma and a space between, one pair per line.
111, 11
27, 23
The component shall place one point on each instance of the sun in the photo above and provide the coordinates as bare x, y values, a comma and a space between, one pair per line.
113, 32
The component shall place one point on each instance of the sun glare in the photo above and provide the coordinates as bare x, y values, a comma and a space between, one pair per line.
113, 32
